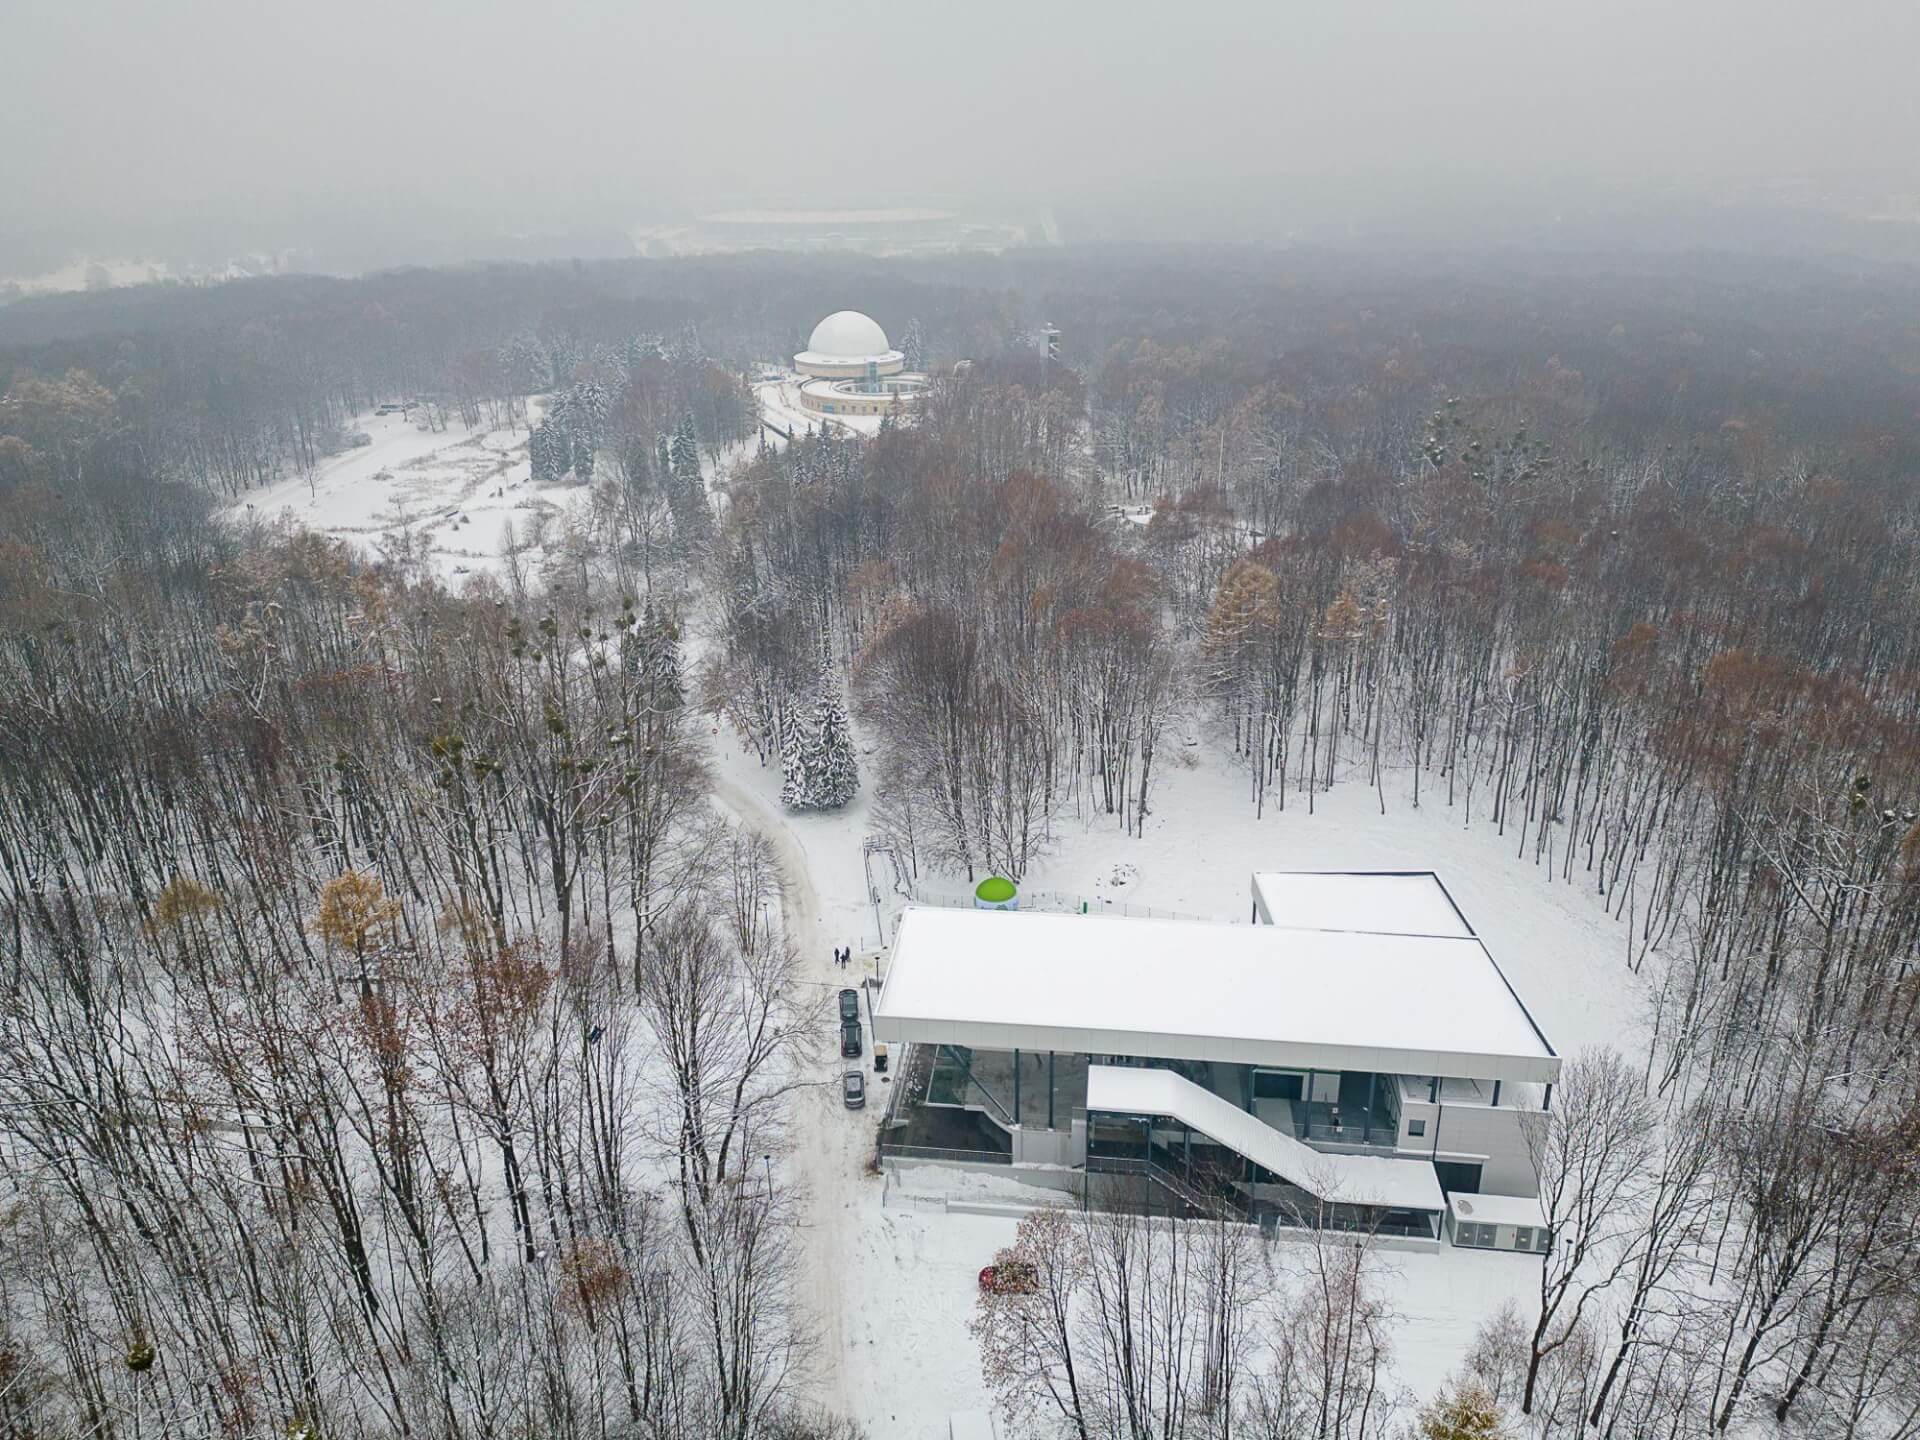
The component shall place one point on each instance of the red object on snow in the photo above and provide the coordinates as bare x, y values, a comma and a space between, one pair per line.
1014, 1278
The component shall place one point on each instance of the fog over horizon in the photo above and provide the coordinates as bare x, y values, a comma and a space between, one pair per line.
426, 128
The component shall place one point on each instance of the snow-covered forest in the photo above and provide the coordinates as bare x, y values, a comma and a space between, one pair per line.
404, 1031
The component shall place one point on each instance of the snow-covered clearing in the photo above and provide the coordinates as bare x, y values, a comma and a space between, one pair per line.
894, 1282
458, 501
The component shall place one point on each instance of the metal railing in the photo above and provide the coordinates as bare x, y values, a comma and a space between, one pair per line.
1313, 1121
1059, 902
890, 1151
1211, 1204
950, 1055
1352, 1220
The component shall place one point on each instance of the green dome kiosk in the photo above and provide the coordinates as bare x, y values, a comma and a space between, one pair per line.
996, 892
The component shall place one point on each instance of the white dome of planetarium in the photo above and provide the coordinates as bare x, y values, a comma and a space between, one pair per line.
848, 335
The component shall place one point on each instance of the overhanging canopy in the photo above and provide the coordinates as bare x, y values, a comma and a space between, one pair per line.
1192, 990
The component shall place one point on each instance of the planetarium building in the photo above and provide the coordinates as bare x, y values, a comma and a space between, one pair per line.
850, 369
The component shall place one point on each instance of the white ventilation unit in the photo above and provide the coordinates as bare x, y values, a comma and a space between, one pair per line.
1497, 1222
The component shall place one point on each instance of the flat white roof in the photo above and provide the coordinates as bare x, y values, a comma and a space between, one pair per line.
1193, 990
1496, 1209
1347, 1179
1413, 903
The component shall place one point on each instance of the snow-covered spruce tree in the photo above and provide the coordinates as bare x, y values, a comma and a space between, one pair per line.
685, 450
586, 418
827, 758
666, 690
913, 346
564, 353
526, 363
548, 450
638, 351
686, 491
794, 787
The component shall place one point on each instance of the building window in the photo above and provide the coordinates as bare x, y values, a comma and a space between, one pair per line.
1522, 1238
1276, 1085
1416, 1127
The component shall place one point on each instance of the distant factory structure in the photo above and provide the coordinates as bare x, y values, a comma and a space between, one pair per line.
882, 232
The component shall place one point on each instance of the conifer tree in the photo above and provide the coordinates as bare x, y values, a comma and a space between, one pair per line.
548, 451
587, 406
794, 789
833, 773
819, 768
528, 366
661, 672
686, 491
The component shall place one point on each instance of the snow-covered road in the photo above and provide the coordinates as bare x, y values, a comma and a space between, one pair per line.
825, 1163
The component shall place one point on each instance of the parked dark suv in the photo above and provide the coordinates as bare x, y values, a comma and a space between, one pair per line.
849, 1005
850, 1039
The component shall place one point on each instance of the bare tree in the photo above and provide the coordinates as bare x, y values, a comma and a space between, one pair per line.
1591, 1151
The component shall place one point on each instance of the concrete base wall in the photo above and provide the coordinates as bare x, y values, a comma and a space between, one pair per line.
1045, 1147
1067, 1184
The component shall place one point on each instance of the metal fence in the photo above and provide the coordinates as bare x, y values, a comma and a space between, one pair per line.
1061, 903
889, 1151
1192, 1198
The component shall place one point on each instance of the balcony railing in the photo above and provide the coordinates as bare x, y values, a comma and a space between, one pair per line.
1343, 1125
1352, 1220
1195, 1200
889, 1151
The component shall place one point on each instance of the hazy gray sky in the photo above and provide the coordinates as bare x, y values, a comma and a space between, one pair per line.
145, 110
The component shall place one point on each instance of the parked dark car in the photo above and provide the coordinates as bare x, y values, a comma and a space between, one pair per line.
853, 1090
849, 1005
850, 1040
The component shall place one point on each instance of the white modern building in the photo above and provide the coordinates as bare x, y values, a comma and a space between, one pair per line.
848, 368
1352, 1058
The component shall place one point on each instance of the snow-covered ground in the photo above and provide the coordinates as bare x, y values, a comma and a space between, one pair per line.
780, 403
891, 1285
459, 500
894, 1282
82, 272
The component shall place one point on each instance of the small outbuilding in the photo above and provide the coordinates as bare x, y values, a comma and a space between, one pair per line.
1497, 1222
996, 892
